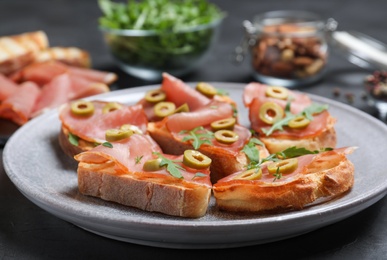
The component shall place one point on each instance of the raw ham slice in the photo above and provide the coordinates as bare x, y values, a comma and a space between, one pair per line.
7, 87
18, 107
93, 128
200, 117
179, 93
53, 94
40, 72
125, 152
83, 87
93, 75
254, 97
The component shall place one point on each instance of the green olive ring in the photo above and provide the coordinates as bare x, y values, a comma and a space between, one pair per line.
252, 174
271, 112
277, 92
155, 95
206, 89
82, 108
110, 107
152, 165
163, 109
132, 128
226, 136
195, 159
223, 124
284, 167
299, 122
112, 135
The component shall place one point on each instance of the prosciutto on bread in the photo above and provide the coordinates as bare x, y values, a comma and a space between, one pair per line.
195, 130
134, 172
289, 183
81, 131
285, 118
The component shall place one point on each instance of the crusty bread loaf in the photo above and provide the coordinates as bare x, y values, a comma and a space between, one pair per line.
223, 163
165, 194
328, 175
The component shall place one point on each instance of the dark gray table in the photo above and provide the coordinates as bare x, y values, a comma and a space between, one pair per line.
28, 232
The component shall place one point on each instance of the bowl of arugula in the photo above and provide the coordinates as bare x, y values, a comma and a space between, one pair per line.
149, 37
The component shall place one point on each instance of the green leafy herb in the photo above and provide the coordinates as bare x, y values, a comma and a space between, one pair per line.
251, 150
138, 159
73, 139
198, 136
307, 112
167, 48
107, 144
172, 167
199, 174
277, 175
221, 92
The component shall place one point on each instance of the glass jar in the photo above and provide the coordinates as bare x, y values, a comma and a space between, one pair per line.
288, 48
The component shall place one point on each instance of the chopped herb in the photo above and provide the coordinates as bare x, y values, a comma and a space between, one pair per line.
307, 112
138, 159
221, 92
277, 175
199, 174
198, 136
107, 144
172, 167
73, 139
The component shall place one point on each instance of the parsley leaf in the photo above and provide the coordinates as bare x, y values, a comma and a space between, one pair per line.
199, 174
308, 112
138, 159
198, 136
172, 167
73, 139
107, 144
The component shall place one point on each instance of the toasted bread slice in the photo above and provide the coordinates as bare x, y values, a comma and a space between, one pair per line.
104, 173
17, 51
69, 55
324, 175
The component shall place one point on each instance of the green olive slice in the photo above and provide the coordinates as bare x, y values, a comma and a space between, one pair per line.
206, 89
182, 108
152, 165
163, 109
271, 112
132, 128
284, 167
195, 159
155, 95
82, 108
112, 135
226, 136
277, 92
299, 122
252, 174
223, 124
110, 107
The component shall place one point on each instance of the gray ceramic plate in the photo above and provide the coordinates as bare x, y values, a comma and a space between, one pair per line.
36, 165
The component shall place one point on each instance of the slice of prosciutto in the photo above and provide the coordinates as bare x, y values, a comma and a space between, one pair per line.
179, 93
254, 97
130, 154
19, 106
7, 87
93, 128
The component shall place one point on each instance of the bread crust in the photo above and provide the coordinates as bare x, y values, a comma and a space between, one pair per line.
163, 194
293, 194
223, 162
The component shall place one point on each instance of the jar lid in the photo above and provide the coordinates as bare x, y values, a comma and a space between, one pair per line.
360, 49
